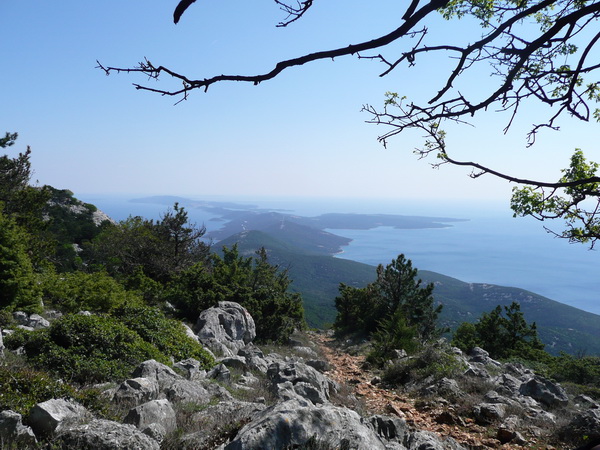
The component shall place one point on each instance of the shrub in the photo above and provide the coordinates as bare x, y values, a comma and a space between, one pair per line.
262, 288
392, 334
89, 349
6, 319
503, 332
358, 310
24, 387
433, 362
18, 287
396, 289
151, 291
77, 291
168, 335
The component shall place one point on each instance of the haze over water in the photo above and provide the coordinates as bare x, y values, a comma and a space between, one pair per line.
491, 247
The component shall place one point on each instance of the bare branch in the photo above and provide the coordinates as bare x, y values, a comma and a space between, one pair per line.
155, 71
293, 13
486, 170
180, 9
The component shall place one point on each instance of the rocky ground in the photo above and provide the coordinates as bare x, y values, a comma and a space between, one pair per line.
313, 394
349, 370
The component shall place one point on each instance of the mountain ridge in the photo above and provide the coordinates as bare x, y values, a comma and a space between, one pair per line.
561, 327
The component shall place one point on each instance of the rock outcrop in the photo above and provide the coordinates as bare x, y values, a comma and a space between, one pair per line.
283, 402
226, 328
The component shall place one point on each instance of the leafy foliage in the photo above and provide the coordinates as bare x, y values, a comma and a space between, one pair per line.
86, 349
575, 206
503, 336
22, 388
161, 249
396, 290
70, 226
168, 335
357, 310
18, 287
396, 311
432, 360
23, 202
80, 291
392, 334
260, 287
399, 289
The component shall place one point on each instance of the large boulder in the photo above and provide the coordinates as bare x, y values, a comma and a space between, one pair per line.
479, 355
191, 368
33, 321
390, 429
508, 385
296, 423
188, 391
226, 328
426, 440
255, 358
220, 373
36, 321
489, 412
105, 435
136, 391
152, 369
301, 379
545, 391
54, 415
14, 433
153, 412
586, 423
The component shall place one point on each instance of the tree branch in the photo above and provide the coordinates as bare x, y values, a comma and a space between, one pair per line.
153, 71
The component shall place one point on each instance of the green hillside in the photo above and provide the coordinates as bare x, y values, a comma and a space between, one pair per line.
317, 277
561, 327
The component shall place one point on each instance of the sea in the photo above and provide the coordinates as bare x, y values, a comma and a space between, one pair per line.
487, 246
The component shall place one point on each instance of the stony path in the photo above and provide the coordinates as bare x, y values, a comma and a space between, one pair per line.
347, 370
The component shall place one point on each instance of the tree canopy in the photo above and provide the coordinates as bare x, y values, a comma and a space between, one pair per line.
503, 333
541, 52
397, 290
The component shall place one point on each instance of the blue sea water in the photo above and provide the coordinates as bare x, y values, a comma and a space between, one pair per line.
489, 247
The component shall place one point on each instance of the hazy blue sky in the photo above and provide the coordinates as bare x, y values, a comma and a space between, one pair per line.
301, 134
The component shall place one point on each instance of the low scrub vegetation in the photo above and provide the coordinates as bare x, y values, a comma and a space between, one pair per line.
23, 387
86, 349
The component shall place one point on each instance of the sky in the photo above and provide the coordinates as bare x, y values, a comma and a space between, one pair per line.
301, 134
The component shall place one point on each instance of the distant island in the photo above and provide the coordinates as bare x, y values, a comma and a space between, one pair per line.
305, 248
307, 233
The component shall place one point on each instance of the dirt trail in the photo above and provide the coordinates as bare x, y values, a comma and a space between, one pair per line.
347, 370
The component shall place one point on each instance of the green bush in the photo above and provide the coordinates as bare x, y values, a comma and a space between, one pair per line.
432, 361
396, 289
78, 291
168, 335
6, 319
392, 334
193, 290
358, 310
18, 286
503, 332
88, 349
24, 387
262, 288
151, 291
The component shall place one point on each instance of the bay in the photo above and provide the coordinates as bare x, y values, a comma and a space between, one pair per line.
490, 247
